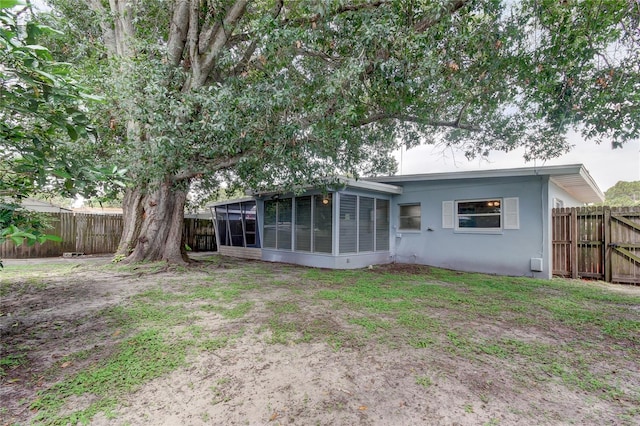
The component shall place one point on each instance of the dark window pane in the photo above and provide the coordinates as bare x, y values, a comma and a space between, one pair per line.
479, 207
410, 216
479, 214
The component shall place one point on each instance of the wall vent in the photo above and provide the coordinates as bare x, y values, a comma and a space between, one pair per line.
536, 264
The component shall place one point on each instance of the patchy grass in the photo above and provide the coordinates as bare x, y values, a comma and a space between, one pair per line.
580, 336
137, 360
235, 312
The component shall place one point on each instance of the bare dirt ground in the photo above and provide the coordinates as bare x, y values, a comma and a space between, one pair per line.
338, 374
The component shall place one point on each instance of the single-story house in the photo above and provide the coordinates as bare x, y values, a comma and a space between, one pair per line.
492, 221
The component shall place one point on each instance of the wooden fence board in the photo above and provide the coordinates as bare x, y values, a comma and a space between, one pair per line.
99, 234
199, 234
597, 242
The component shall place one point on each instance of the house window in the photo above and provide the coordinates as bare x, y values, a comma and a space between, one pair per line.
410, 217
479, 214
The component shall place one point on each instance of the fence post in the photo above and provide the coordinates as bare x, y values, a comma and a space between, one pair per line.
606, 223
574, 242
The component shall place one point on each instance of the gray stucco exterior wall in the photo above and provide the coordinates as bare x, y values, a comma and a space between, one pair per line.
505, 252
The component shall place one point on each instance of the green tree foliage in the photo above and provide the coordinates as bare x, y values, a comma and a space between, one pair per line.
623, 194
41, 115
261, 93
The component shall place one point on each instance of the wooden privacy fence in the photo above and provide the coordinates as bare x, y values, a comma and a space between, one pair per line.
99, 234
597, 242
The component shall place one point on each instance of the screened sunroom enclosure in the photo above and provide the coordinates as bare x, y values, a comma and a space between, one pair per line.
236, 228
345, 228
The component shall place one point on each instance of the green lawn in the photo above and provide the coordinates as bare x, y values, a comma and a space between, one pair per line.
577, 336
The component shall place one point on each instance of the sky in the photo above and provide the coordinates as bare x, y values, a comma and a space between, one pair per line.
606, 165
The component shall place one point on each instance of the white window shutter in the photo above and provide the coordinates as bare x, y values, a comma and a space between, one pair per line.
511, 213
447, 214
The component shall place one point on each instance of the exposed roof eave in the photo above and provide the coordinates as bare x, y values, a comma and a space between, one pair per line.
581, 186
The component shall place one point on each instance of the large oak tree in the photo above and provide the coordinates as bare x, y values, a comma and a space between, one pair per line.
266, 92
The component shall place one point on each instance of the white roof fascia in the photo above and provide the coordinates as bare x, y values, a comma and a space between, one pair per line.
473, 174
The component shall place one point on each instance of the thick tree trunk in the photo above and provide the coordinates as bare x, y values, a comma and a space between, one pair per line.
153, 225
132, 221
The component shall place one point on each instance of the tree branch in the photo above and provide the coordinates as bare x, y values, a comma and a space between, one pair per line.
244, 61
108, 34
216, 42
415, 119
177, 31
123, 26
429, 22
208, 165
342, 9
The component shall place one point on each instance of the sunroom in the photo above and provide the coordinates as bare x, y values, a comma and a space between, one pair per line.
346, 227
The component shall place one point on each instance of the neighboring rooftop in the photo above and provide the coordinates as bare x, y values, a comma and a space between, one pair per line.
36, 205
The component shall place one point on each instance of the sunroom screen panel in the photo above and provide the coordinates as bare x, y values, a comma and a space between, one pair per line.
284, 224
303, 224
221, 222
270, 215
249, 215
322, 224
235, 225
348, 223
366, 231
382, 225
